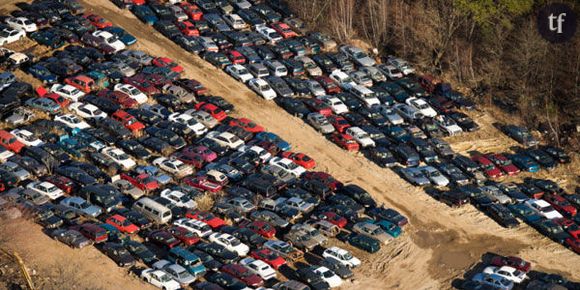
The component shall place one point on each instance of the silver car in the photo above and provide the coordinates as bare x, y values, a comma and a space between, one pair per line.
81, 206
415, 176
205, 118
358, 55
16, 169
320, 123
177, 272
371, 230
496, 194
305, 237
434, 175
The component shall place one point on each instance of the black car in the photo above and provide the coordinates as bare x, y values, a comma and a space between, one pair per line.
140, 252
168, 136
552, 230
342, 61
308, 276
156, 145
557, 153
298, 86
477, 197
105, 163
113, 127
91, 170
226, 281
219, 102
119, 254
134, 148
208, 261
57, 152
374, 116
346, 201
406, 155
355, 119
30, 164
543, 158
337, 267
245, 235
388, 214
359, 194
44, 216
251, 17
381, 156
464, 121
425, 149
453, 198
502, 215
219, 252
103, 195
135, 217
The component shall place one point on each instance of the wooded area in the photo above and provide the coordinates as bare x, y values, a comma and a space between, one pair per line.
490, 46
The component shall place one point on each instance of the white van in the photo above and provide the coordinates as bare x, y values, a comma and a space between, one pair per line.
153, 210
365, 95
342, 79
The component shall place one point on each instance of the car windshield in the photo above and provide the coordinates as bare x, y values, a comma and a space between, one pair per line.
328, 274
84, 205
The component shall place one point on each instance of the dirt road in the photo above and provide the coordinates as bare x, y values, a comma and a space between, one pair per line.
440, 243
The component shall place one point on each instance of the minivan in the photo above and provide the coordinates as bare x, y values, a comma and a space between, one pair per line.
188, 260
406, 155
152, 210
366, 95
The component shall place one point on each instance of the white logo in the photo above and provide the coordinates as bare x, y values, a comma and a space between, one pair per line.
559, 20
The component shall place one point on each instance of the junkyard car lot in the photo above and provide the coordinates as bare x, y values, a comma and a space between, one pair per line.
265, 121
428, 107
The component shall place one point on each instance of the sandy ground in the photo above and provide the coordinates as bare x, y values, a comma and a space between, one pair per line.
440, 243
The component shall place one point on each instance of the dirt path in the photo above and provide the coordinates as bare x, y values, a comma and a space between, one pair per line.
439, 245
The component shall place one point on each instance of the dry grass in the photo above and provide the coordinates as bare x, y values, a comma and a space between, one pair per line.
205, 202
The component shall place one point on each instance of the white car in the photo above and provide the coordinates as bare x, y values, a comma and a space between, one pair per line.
287, 165
67, 91
262, 153
422, 106
208, 44
391, 115
235, 21
401, 65
176, 271
434, 175
374, 73
239, 72
390, 71
119, 156
543, 208
131, 91
26, 137
269, 34
342, 256
507, 272
360, 136
342, 79
10, 35
230, 242
87, 111
200, 228
178, 198
328, 276
72, 121
21, 23
189, 121
160, 279
226, 139
407, 112
361, 78
111, 39
173, 166
5, 154
46, 188
262, 88
448, 125
259, 268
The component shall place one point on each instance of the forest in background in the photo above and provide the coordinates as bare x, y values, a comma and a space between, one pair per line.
491, 47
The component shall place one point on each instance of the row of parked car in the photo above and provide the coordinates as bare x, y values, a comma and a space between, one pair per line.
510, 272
119, 149
396, 118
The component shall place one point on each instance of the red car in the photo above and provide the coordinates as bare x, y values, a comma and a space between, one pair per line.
338, 122
167, 62
328, 84
345, 141
92, 232
119, 98
271, 147
573, 244
236, 57
570, 226
64, 183
428, 82
244, 274
560, 204
81, 82
268, 257
8, 141
318, 106
247, 124
98, 21
284, 29
128, 121
191, 10
142, 84
511, 261
122, 224
187, 237
58, 99
211, 220
261, 228
333, 218
187, 28
300, 159
202, 183
487, 166
142, 181
504, 163
192, 86
194, 160
212, 109
163, 238
323, 177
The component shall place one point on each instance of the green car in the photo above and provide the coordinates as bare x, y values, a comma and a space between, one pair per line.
389, 227
365, 243
44, 104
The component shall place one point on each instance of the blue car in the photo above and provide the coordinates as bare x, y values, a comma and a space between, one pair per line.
397, 134
123, 35
525, 162
524, 212
42, 73
389, 227
271, 137
188, 260
145, 13
43, 104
